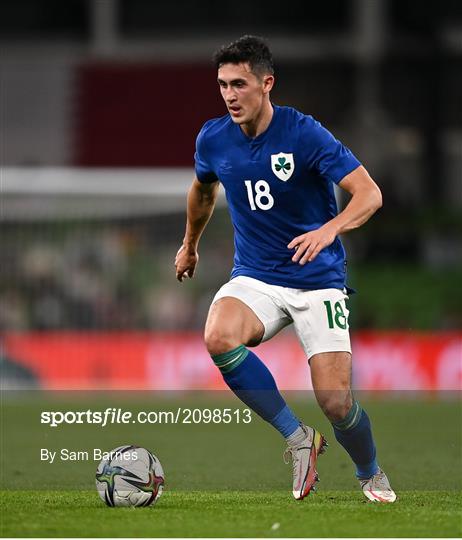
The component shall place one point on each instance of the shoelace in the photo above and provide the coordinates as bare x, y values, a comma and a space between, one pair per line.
293, 452
379, 482
288, 452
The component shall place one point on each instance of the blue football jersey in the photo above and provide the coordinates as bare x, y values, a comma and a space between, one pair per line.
278, 185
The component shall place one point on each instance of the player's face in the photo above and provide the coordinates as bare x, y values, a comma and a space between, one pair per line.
244, 92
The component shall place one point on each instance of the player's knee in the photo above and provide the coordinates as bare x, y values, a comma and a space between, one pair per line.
336, 406
220, 340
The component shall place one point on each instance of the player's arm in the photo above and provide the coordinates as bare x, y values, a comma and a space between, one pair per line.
200, 205
365, 201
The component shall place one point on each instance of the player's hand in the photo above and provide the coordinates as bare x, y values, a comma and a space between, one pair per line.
308, 245
185, 262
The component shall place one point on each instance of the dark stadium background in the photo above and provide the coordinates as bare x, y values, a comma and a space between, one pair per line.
101, 103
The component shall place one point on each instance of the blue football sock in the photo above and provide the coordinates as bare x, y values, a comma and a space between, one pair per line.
355, 435
252, 382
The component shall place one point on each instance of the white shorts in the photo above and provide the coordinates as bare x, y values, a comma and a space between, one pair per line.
320, 317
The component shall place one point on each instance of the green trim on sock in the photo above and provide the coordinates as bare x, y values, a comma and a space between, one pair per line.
228, 361
351, 419
223, 358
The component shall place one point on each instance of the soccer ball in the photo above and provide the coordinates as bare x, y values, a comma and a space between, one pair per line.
129, 476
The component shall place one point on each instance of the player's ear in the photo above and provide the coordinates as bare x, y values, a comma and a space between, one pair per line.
268, 83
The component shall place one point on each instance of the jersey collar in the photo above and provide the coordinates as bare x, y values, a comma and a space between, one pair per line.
262, 137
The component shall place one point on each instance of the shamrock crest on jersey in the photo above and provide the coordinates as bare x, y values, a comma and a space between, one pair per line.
282, 165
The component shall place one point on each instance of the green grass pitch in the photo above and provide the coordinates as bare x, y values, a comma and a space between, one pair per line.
232, 513
229, 480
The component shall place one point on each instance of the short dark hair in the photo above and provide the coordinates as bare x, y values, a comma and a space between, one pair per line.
247, 49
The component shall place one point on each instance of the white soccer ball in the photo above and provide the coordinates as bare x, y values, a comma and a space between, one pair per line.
129, 476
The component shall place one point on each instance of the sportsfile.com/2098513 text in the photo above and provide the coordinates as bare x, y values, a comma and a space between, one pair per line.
180, 415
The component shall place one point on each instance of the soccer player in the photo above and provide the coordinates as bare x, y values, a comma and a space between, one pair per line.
278, 168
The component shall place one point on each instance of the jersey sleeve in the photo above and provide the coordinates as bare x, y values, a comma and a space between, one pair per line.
328, 156
203, 166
